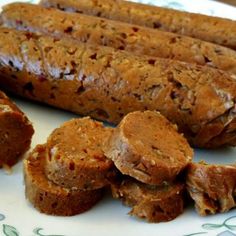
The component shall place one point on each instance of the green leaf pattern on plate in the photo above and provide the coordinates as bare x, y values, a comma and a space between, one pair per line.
198, 233
225, 224
38, 232
2, 217
211, 226
228, 224
9, 230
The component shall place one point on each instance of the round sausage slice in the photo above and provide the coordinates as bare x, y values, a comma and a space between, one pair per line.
15, 132
212, 187
146, 146
50, 198
75, 156
151, 202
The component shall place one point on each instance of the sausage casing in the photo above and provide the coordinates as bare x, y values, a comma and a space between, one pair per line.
107, 84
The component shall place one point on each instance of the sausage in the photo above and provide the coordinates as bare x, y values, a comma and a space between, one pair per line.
147, 147
50, 198
150, 202
212, 187
75, 156
212, 29
107, 84
15, 132
133, 38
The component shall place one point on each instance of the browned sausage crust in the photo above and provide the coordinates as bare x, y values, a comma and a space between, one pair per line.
212, 187
213, 29
100, 31
107, 84
75, 155
50, 198
153, 203
15, 132
148, 147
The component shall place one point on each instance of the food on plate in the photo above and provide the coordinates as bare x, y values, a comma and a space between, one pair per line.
106, 84
212, 187
15, 132
75, 155
147, 147
133, 38
50, 198
213, 29
137, 67
151, 202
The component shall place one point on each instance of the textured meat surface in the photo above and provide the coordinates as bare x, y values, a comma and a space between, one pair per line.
15, 132
75, 155
212, 187
149, 148
107, 84
50, 198
213, 29
153, 203
133, 38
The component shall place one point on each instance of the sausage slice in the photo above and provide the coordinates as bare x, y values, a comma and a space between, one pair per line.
153, 203
50, 198
148, 147
75, 155
212, 187
15, 132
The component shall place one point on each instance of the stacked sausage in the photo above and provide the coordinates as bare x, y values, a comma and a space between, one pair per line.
213, 29
106, 69
67, 175
133, 38
107, 83
142, 160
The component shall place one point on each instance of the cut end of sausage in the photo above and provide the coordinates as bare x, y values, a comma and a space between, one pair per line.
153, 203
219, 132
15, 132
76, 156
148, 147
212, 187
50, 198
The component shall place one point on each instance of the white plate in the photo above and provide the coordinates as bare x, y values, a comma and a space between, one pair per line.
109, 217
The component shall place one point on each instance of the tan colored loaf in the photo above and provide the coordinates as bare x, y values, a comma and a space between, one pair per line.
49, 198
133, 38
213, 29
106, 84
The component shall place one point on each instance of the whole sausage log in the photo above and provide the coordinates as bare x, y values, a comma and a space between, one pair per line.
136, 39
107, 84
213, 29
